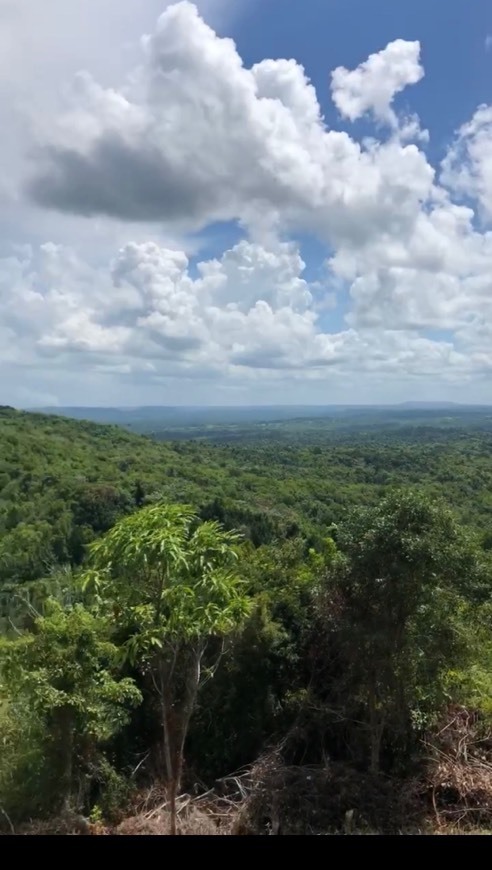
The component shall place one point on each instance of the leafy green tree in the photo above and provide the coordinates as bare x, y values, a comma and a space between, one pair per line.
25, 551
21, 604
65, 670
252, 700
99, 506
172, 581
393, 605
139, 494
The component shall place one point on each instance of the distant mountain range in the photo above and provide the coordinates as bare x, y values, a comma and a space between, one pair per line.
432, 406
149, 416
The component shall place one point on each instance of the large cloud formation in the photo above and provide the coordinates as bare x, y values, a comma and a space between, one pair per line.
193, 137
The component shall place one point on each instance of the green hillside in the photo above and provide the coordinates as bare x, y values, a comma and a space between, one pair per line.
63, 482
356, 613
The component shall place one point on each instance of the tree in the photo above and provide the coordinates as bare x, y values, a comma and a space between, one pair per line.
170, 579
139, 494
99, 506
263, 669
23, 603
65, 670
396, 596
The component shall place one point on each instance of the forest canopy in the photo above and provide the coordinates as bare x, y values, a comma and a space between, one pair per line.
171, 612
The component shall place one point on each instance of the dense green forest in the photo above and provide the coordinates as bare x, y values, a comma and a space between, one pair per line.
237, 609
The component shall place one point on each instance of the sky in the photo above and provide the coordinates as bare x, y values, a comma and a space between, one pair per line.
245, 202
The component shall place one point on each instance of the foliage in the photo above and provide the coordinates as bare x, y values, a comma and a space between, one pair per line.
171, 581
64, 671
168, 577
326, 590
396, 612
63, 482
26, 786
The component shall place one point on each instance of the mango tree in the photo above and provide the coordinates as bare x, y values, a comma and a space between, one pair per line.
172, 582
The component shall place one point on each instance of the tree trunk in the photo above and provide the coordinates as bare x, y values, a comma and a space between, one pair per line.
65, 750
169, 755
172, 790
191, 691
376, 728
175, 723
376, 735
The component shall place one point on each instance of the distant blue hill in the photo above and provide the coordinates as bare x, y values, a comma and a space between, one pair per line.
175, 416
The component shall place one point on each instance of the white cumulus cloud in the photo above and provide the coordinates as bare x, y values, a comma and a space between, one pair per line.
194, 136
467, 169
186, 135
372, 86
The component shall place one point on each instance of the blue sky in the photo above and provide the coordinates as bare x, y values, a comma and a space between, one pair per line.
324, 34
300, 215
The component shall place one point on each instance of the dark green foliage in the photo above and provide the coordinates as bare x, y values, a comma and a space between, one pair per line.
256, 526
364, 561
393, 613
64, 482
264, 668
98, 506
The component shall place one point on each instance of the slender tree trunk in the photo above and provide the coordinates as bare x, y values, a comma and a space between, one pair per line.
376, 728
65, 752
173, 826
376, 735
191, 691
167, 717
170, 774
175, 724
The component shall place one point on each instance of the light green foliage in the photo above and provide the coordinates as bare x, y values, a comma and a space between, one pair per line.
172, 582
66, 663
350, 644
172, 578
470, 683
64, 672
64, 482
26, 788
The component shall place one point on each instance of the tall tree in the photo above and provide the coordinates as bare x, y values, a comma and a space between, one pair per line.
172, 581
407, 567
